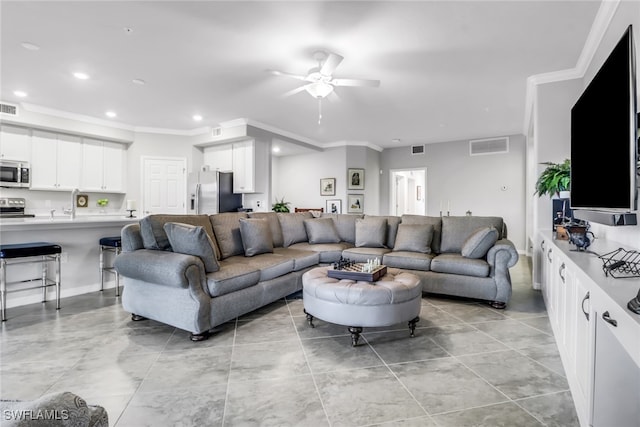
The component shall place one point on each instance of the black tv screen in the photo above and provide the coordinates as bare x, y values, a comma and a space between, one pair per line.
604, 147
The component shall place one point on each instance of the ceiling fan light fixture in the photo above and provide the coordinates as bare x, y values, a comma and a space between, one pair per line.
319, 89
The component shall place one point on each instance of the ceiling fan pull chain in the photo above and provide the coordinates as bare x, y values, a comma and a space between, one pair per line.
319, 110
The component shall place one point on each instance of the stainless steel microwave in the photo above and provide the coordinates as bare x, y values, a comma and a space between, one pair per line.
14, 173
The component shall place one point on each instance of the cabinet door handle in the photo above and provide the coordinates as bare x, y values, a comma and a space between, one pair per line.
561, 270
607, 318
586, 297
542, 245
549, 254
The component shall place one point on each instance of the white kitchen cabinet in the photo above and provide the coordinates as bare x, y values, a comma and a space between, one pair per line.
244, 167
103, 166
15, 143
55, 161
219, 157
597, 336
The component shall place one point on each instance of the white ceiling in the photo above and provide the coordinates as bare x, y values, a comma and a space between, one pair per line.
449, 70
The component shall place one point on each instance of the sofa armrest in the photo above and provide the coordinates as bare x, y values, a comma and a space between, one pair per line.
511, 254
161, 267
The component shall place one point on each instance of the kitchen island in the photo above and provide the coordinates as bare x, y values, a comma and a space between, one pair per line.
79, 238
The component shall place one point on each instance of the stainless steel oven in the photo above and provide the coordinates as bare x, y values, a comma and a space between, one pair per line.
14, 173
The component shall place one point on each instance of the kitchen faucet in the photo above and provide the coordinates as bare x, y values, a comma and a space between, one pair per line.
72, 211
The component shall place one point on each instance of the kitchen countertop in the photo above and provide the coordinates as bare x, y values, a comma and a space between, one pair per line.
61, 222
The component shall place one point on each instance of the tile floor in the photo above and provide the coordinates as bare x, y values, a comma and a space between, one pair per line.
468, 365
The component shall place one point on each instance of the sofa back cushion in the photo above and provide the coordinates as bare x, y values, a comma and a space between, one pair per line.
226, 228
154, 236
193, 240
436, 221
274, 225
479, 242
414, 238
321, 230
345, 224
456, 230
292, 225
256, 236
371, 232
392, 228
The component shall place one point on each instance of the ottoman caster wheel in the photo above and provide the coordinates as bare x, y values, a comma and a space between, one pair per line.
309, 319
199, 337
412, 326
498, 304
137, 317
355, 335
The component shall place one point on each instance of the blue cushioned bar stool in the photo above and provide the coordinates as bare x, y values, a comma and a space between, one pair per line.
113, 245
25, 253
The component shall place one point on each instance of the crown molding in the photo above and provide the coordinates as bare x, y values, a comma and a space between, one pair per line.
163, 131
75, 116
354, 144
598, 29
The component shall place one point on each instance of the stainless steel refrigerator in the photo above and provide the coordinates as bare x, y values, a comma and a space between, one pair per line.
211, 192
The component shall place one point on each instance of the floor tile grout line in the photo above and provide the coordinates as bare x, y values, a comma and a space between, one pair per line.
226, 394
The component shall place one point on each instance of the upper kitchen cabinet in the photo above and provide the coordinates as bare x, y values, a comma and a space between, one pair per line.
219, 157
15, 143
55, 161
244, 161
103, 166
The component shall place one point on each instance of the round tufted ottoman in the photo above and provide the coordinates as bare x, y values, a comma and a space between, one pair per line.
393, 299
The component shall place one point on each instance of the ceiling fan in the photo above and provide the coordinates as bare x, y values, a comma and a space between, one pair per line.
320, 80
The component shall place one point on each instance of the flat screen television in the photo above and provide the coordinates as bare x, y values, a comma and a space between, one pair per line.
604, 136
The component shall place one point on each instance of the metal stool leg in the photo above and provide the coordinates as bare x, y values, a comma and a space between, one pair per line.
44, 278
57, 261
116, 272
101, 268
3, 288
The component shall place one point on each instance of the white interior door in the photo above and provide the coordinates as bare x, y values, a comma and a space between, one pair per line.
408, 192
163, 185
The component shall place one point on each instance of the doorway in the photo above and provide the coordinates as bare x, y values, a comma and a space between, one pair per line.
408, 188
163, 185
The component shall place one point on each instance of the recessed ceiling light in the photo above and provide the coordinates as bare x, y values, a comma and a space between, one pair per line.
128, 30
197, 117
20, 93
111, 114
30, 46
395, 140
80, 75
138, 81
276, 149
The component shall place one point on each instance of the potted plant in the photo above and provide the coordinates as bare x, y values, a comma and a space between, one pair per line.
280, 206
554, 179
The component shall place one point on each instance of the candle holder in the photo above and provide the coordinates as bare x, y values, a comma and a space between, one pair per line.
440, 214
448, 213
131, 211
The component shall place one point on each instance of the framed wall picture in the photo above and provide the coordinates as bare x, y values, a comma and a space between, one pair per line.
328, 187
355, 203
355, 179
334, 206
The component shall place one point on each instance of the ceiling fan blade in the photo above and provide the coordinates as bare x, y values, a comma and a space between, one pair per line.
355, 82
330, 64
293, 91
285, 74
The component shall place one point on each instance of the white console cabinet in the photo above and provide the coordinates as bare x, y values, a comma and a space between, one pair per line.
597, 336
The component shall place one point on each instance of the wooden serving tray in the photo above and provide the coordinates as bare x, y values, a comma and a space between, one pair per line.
354, 273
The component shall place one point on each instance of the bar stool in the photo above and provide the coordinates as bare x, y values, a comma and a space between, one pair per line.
26, 253
113, 245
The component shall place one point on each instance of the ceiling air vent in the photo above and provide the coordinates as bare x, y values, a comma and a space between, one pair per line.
8, 109
479, 147
417, 149
216, 131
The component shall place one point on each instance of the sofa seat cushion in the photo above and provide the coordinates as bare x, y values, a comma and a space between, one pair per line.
457, 264
408, 260
271, 265
329, 252
364, 254
235, 274
301, 259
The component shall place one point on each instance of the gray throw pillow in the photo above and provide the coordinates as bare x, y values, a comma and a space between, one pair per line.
479, 242
321, 230
256, 236
371, 232
193, 240
292, 225
414, 238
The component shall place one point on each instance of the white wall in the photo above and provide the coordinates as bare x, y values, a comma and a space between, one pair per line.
467, 183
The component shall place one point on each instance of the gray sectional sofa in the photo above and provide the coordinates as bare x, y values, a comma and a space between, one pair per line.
196, 272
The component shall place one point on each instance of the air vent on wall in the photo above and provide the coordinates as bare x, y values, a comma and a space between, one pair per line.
216, 131
479, 147
417, 149
8, 109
